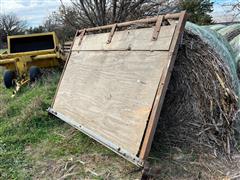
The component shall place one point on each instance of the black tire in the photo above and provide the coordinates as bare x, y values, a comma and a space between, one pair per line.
34, 73
8, 78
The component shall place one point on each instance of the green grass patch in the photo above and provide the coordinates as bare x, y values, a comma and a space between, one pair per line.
29, 136
24, 121
36, 145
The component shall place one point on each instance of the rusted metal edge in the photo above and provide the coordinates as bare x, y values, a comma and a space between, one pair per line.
111, 33
147, 20
157, 28
161, 91
143, 153
81, 37
122, 152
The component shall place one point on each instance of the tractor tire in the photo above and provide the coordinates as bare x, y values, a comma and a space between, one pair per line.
34, 73
8, 78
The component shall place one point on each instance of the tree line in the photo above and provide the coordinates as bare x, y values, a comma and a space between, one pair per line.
89, 13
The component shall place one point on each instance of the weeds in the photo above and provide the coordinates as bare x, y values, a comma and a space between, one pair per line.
34, 144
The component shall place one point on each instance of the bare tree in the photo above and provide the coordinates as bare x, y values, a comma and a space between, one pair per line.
55, 22
10, 24
88, 13
233, 7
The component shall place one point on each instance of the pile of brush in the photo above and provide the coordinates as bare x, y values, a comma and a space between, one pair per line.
200, 107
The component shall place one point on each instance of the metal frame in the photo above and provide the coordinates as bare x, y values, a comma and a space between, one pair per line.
134, 159
145, 147
124, 24
111, 33
157, 28
22, 61
53, 34
81, 37
162, 89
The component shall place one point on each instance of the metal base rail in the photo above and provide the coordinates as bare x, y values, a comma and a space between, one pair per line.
125, 154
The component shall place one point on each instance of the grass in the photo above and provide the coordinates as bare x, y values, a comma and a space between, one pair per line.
34, 144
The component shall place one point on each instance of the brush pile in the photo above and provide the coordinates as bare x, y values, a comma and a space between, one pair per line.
201, 102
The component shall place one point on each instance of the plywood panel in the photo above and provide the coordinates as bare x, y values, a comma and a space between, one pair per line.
135, 39
114, 92
111, 93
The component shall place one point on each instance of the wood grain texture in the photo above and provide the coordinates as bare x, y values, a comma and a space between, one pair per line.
116, 89
135, 39
111, 92
162, 88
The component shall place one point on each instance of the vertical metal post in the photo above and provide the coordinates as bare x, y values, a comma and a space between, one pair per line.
157, 28
111, 33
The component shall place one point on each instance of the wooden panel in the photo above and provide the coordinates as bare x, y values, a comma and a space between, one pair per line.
162, 88
111, 93
114, 92
135, 39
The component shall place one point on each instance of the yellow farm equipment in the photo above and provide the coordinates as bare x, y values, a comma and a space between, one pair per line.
26, 54
3, 51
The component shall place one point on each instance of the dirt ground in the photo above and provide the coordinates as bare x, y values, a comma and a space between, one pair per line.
34, 145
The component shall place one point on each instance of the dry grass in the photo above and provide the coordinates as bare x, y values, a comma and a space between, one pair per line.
198, 110
34, 145
200, 107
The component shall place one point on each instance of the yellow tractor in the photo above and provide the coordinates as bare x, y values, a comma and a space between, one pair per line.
25, 56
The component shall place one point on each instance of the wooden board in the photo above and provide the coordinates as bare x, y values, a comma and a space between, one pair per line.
113, 92
135, 39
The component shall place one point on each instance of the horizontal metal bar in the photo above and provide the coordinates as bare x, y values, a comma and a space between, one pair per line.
45, 56
125, 154
31, 35
147, 20
38, 57
118, 50
30, 53
7, 61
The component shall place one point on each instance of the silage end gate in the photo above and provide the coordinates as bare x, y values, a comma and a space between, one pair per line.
114, 83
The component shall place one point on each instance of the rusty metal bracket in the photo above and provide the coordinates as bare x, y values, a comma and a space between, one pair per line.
124, 24
111, 33
81, 37
157, 28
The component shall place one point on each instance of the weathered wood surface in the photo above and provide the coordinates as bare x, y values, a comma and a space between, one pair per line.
111, 92
135, 39
162, 89
116, 89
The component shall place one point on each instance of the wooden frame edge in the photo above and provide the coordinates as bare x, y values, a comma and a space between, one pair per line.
64, 68
154, 19
162, 89
159, 98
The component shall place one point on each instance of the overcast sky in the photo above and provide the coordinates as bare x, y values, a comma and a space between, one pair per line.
35, 11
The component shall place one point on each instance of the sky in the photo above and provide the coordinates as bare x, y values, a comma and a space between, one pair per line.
223, 13
35, 11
